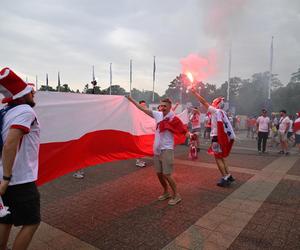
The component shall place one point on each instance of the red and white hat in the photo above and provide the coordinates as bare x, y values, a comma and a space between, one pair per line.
12, 86
216, 102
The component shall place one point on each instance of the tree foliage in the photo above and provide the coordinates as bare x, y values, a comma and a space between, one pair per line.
248, 96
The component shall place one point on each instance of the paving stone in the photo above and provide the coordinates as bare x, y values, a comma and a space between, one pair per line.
115, 207
193, 238
272, 223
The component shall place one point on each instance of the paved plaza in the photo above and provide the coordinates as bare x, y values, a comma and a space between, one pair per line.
115, 206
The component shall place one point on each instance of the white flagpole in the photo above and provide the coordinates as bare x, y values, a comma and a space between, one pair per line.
58, 81
47, 83
229, 73
130, 76
36, 83
110, 76
271, 70
154, 71
93, 73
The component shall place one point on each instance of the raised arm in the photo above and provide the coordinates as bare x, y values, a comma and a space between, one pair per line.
175, 107
200, 98
140, 107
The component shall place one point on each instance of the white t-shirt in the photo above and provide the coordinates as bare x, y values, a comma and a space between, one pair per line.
291, 126
195, 120
221, 115
25, 168
164, 140
297, 121
214, 124
284, 123
263, 123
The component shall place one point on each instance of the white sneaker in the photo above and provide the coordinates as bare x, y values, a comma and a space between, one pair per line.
140, 163
174, 200
164, 196
78, 175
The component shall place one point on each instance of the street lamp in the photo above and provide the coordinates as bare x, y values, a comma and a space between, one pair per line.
93, 82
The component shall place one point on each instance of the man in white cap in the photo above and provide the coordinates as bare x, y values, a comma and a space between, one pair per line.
222, 136
19, 160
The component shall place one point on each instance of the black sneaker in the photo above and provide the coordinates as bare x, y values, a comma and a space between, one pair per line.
281, 152
223, 183
287, 153
231, 179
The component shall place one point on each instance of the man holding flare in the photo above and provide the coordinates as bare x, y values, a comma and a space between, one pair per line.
222, 135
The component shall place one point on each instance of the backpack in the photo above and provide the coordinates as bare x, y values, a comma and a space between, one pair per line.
2, 114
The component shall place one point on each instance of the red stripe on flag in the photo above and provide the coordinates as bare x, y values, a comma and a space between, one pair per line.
60, 158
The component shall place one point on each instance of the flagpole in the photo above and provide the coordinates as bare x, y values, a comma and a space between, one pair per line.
110, 77
154, 70
271, 70
36, 83
130, 76
47, 84
93, 73
58, 82
229, 73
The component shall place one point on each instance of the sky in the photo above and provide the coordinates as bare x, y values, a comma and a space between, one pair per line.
70, 36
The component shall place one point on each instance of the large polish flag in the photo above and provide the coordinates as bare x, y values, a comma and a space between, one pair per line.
80, 130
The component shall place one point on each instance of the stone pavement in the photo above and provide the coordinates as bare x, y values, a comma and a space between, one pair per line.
115, 206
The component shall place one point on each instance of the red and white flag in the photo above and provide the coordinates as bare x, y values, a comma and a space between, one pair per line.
225, 136
79, 130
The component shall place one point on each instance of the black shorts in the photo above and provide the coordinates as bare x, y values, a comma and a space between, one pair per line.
289, 135
23, 201
214, 139
208, 129
297, 139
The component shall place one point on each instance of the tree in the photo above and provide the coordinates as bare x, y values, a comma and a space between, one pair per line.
64, 88
295, 77
287, 98
115, 90
46, 88
178, 89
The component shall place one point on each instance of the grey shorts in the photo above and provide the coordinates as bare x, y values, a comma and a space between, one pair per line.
163, 163
282, 136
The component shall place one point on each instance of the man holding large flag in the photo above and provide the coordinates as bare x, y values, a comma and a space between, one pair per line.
167, 125
222, 136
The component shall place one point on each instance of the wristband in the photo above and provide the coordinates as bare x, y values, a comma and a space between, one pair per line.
7, 178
